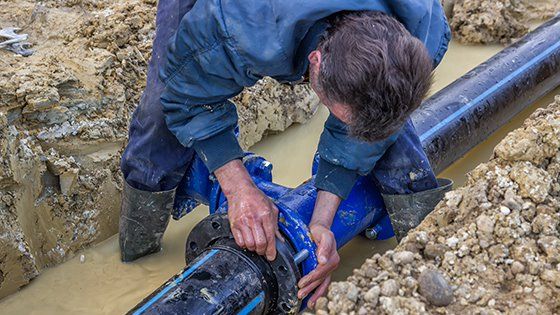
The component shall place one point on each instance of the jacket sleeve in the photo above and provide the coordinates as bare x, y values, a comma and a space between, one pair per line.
195, 101
344, 158
425, 19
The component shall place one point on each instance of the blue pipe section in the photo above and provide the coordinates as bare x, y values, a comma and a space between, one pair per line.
360, 210
247, 309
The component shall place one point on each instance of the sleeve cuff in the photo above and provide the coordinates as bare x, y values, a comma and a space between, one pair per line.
218, 149
335, 179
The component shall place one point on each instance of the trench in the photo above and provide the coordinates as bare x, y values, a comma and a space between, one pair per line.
96, 282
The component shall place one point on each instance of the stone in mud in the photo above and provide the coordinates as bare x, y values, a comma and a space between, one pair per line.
485, 225
342, 297
372, 295
389, 287
403, 258
534, 182
321, 303
435, 288
517, 267
433, 251
552, 276
401, 305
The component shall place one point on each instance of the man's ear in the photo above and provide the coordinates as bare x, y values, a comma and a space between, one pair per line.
315, 58
341, 111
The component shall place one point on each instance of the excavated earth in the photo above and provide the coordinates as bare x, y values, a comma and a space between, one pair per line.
496, 21
64, 114
490, 247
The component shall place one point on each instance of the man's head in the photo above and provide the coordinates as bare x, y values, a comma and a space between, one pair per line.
370, 72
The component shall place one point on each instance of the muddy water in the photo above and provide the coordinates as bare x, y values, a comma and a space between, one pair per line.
96, 282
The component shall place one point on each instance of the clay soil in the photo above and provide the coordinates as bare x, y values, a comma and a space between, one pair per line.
490, 247
497, 21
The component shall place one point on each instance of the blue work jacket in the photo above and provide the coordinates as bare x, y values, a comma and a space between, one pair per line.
222, 46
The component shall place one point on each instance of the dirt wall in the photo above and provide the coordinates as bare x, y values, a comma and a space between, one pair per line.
64, 113
496, 21
490, 247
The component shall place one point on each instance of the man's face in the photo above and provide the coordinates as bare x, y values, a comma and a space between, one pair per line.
339, 110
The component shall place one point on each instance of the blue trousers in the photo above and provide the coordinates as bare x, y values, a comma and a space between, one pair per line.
154, 160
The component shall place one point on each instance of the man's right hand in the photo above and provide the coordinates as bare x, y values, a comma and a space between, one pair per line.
252, 215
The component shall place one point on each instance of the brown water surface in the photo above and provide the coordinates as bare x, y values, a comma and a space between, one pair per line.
100, 284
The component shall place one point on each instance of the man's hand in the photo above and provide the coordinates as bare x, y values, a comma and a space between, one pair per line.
325, 208
253, 217
328, 258
254, 221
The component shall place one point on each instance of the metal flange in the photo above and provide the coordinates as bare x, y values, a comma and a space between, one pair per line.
214, 232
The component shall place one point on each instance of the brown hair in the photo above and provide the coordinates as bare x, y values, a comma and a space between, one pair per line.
371, 63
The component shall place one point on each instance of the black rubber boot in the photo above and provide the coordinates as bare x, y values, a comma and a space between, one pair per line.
144, 217
408, 211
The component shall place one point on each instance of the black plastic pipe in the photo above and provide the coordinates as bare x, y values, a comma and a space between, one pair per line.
466, 112
220, 281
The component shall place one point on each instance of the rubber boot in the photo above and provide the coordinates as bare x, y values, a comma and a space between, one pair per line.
408, 211
144, 217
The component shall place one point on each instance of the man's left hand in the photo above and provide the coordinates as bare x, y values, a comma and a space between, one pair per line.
328, 258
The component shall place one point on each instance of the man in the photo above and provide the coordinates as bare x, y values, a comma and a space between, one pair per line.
370, 63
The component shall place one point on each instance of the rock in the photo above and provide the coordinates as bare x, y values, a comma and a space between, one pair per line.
321, 303
517, 267
352, 293
484, 224
421, 237
68, 181
343, 297
452, 242
403, 258
435, 288
505, 210
512, 201
453, 199
550, 245
435, 250
401, 305
362, 311
534, 182
372, 295
389, 288
551, 276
